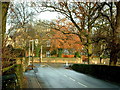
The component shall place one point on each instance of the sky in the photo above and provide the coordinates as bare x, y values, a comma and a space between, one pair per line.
43, 16
48, 15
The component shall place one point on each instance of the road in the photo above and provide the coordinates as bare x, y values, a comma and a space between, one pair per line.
56, 76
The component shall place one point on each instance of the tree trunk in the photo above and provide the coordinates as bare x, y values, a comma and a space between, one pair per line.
0, 29
113, 58
3, 14
89, 45
118, 18
115, 42
89, 51
100, 60
5, 6
89, 41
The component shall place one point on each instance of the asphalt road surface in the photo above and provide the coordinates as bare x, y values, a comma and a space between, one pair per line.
56, 76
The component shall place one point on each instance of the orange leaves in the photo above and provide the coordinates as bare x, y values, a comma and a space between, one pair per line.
70, 23
66, 35
63, 19
65, 41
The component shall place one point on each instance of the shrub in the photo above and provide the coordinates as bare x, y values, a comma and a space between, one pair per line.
54, 52
77, 54
67, 56
60, 51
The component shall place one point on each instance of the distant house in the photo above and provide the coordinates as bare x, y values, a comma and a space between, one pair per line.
47, 53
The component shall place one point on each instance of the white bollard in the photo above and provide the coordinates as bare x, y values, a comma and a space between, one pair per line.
104, 62
66, 63
95, 62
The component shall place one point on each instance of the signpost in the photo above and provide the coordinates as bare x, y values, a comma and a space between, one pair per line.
32, 52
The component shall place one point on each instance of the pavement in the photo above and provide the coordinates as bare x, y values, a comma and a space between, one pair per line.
56, 76
32, 81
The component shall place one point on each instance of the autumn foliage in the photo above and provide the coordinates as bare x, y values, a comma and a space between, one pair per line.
63, 38
84, 58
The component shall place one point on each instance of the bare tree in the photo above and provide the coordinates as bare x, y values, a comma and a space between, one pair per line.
82, 15
4, 10
110, 12
20, 18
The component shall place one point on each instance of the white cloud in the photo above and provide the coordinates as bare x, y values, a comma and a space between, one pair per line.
48, 15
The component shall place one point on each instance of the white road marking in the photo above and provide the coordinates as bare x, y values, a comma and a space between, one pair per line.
82, 84
71, 78
65, 75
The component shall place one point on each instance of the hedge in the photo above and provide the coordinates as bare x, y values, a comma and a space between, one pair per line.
67, 56
111, 73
